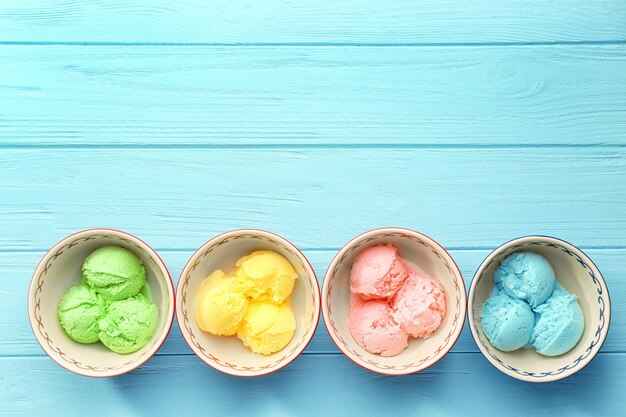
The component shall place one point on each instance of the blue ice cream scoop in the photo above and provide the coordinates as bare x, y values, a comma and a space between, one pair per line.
507, 322
527, 276
559, 323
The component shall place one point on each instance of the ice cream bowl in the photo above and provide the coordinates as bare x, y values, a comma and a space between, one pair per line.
578, 275
431, 257
60, 269
228, 354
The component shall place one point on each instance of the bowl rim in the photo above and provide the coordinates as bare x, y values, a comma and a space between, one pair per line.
471, 320
313, 278
170, 291
326, 281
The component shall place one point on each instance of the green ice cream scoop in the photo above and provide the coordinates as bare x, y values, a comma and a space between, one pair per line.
114, 272
129, 324
80, 310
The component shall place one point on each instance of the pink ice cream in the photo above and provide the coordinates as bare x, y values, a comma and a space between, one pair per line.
377, 272
392, 300
374, 329
419, 306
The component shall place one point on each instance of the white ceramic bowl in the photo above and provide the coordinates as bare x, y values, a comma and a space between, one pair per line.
228, 354
577, 273
60, 269
434, 260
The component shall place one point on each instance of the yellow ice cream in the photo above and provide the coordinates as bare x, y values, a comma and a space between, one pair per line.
267, 327
253, 303
220, 306
266, 275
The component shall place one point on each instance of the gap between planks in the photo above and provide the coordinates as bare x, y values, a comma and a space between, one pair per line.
4, 144
319, 44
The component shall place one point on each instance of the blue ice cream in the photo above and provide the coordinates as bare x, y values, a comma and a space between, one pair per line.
526, 276
559, 323
507, 322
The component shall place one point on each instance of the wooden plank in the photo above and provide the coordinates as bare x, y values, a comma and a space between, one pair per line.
16, 268
522, 95
318, 198
463, 384
280, 21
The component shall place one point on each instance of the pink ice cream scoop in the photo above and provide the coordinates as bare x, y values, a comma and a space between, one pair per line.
377, 272
419, 306
374, 329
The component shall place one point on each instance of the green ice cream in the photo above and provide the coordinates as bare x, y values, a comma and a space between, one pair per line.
129, 324
114, 272
113, 302
80, 310
147, 292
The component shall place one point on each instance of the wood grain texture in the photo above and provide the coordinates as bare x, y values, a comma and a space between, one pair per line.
323, 21
17, 267
528, 95
318, 198
463, 384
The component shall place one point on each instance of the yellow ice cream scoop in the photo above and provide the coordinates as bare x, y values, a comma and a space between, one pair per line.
267, 327
220, 304
266, 275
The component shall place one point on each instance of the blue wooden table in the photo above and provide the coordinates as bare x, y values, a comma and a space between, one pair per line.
179, 119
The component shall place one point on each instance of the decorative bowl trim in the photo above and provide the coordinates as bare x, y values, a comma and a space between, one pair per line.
283, 360
604, 311
38, 281
458, 320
